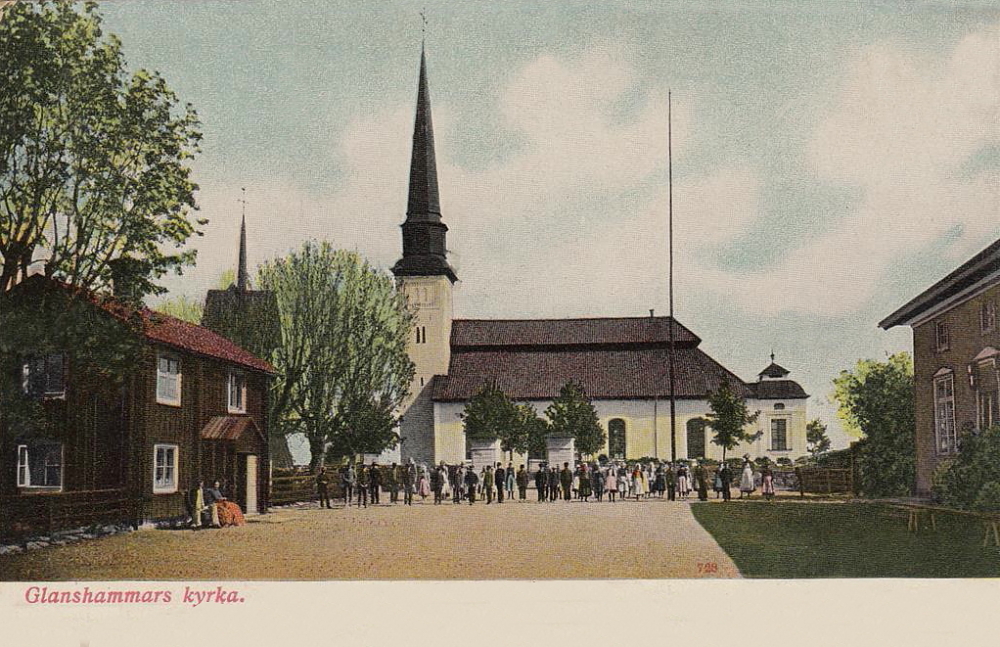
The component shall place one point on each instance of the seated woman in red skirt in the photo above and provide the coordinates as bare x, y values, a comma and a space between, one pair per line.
224, 511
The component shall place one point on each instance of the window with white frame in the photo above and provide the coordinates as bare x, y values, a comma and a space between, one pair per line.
988, 316
987, 402
779, 435
164, 468
942, 336
168, 380
237, 392
44, 376
40, 465
944, 413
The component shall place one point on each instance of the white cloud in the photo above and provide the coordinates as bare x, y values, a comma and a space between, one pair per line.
900, 129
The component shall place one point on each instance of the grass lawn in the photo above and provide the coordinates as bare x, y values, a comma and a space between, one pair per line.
801, 539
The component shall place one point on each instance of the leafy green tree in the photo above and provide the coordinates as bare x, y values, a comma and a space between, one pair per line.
94, 160
875, 401
729, 418
572, 414
535, 430
816, 439
342, 364
490, 415
182, 307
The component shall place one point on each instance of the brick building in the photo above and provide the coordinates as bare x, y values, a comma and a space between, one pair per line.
955, 349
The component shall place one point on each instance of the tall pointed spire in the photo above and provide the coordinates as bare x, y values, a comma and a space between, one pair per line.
424, 203
424, 248
242, 280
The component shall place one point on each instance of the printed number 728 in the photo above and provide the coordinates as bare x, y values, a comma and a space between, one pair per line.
708, 567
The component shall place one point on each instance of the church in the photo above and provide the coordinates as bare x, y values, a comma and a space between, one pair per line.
622, 363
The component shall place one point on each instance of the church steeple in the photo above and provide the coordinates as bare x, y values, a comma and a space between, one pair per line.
424, 234
242, 278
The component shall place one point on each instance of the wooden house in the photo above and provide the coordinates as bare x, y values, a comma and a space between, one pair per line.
125, 447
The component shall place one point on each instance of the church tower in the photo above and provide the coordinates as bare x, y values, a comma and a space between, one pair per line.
426, 278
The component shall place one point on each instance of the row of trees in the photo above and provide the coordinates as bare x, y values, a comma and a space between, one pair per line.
491, 415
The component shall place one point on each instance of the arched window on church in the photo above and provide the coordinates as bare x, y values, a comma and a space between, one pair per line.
696, 438
616, 439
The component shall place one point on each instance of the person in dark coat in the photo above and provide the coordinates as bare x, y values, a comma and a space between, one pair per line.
375, 482
409, 479
348, 480
566, 480
500, 478
597, 483
585, 483
701, 482
542, 483
392, 483
554, 483
471, 481
323, 488
727, 480
437, 483
488, 483
363, 483
457, 482
522, 483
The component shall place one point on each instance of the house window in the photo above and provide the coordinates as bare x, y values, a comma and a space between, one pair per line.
44, 376
40, 465
779, 406
164, 468
988, 316
944, 413
779, 435
237, 392
168, 380
421, 334
942, 336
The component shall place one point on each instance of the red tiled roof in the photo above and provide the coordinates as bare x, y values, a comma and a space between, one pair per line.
611, 373
568, 332
180, 334
161, 328
228, 427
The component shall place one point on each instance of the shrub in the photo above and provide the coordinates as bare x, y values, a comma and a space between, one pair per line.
971, 480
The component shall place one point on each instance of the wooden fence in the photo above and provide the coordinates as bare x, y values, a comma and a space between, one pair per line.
821, 480
292, 487
30, 515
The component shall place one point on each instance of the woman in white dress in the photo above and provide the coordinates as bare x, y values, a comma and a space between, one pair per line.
746, 480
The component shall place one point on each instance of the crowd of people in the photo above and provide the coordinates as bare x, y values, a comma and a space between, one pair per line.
612, 481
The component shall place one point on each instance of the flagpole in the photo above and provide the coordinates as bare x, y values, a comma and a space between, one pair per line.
670, 234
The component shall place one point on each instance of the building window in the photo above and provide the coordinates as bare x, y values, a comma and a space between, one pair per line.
942, 337
421, 334
944, 413
40, 465
616, 439
164, 468
988, 316
696, 438
779, 406
44, 376
168, 380
779, 435
237, 392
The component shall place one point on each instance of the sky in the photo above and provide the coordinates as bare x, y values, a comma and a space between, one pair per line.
830, 159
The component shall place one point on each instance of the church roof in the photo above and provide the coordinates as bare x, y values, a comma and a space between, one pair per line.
625, 358
774, 371
777, 390
568, 332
